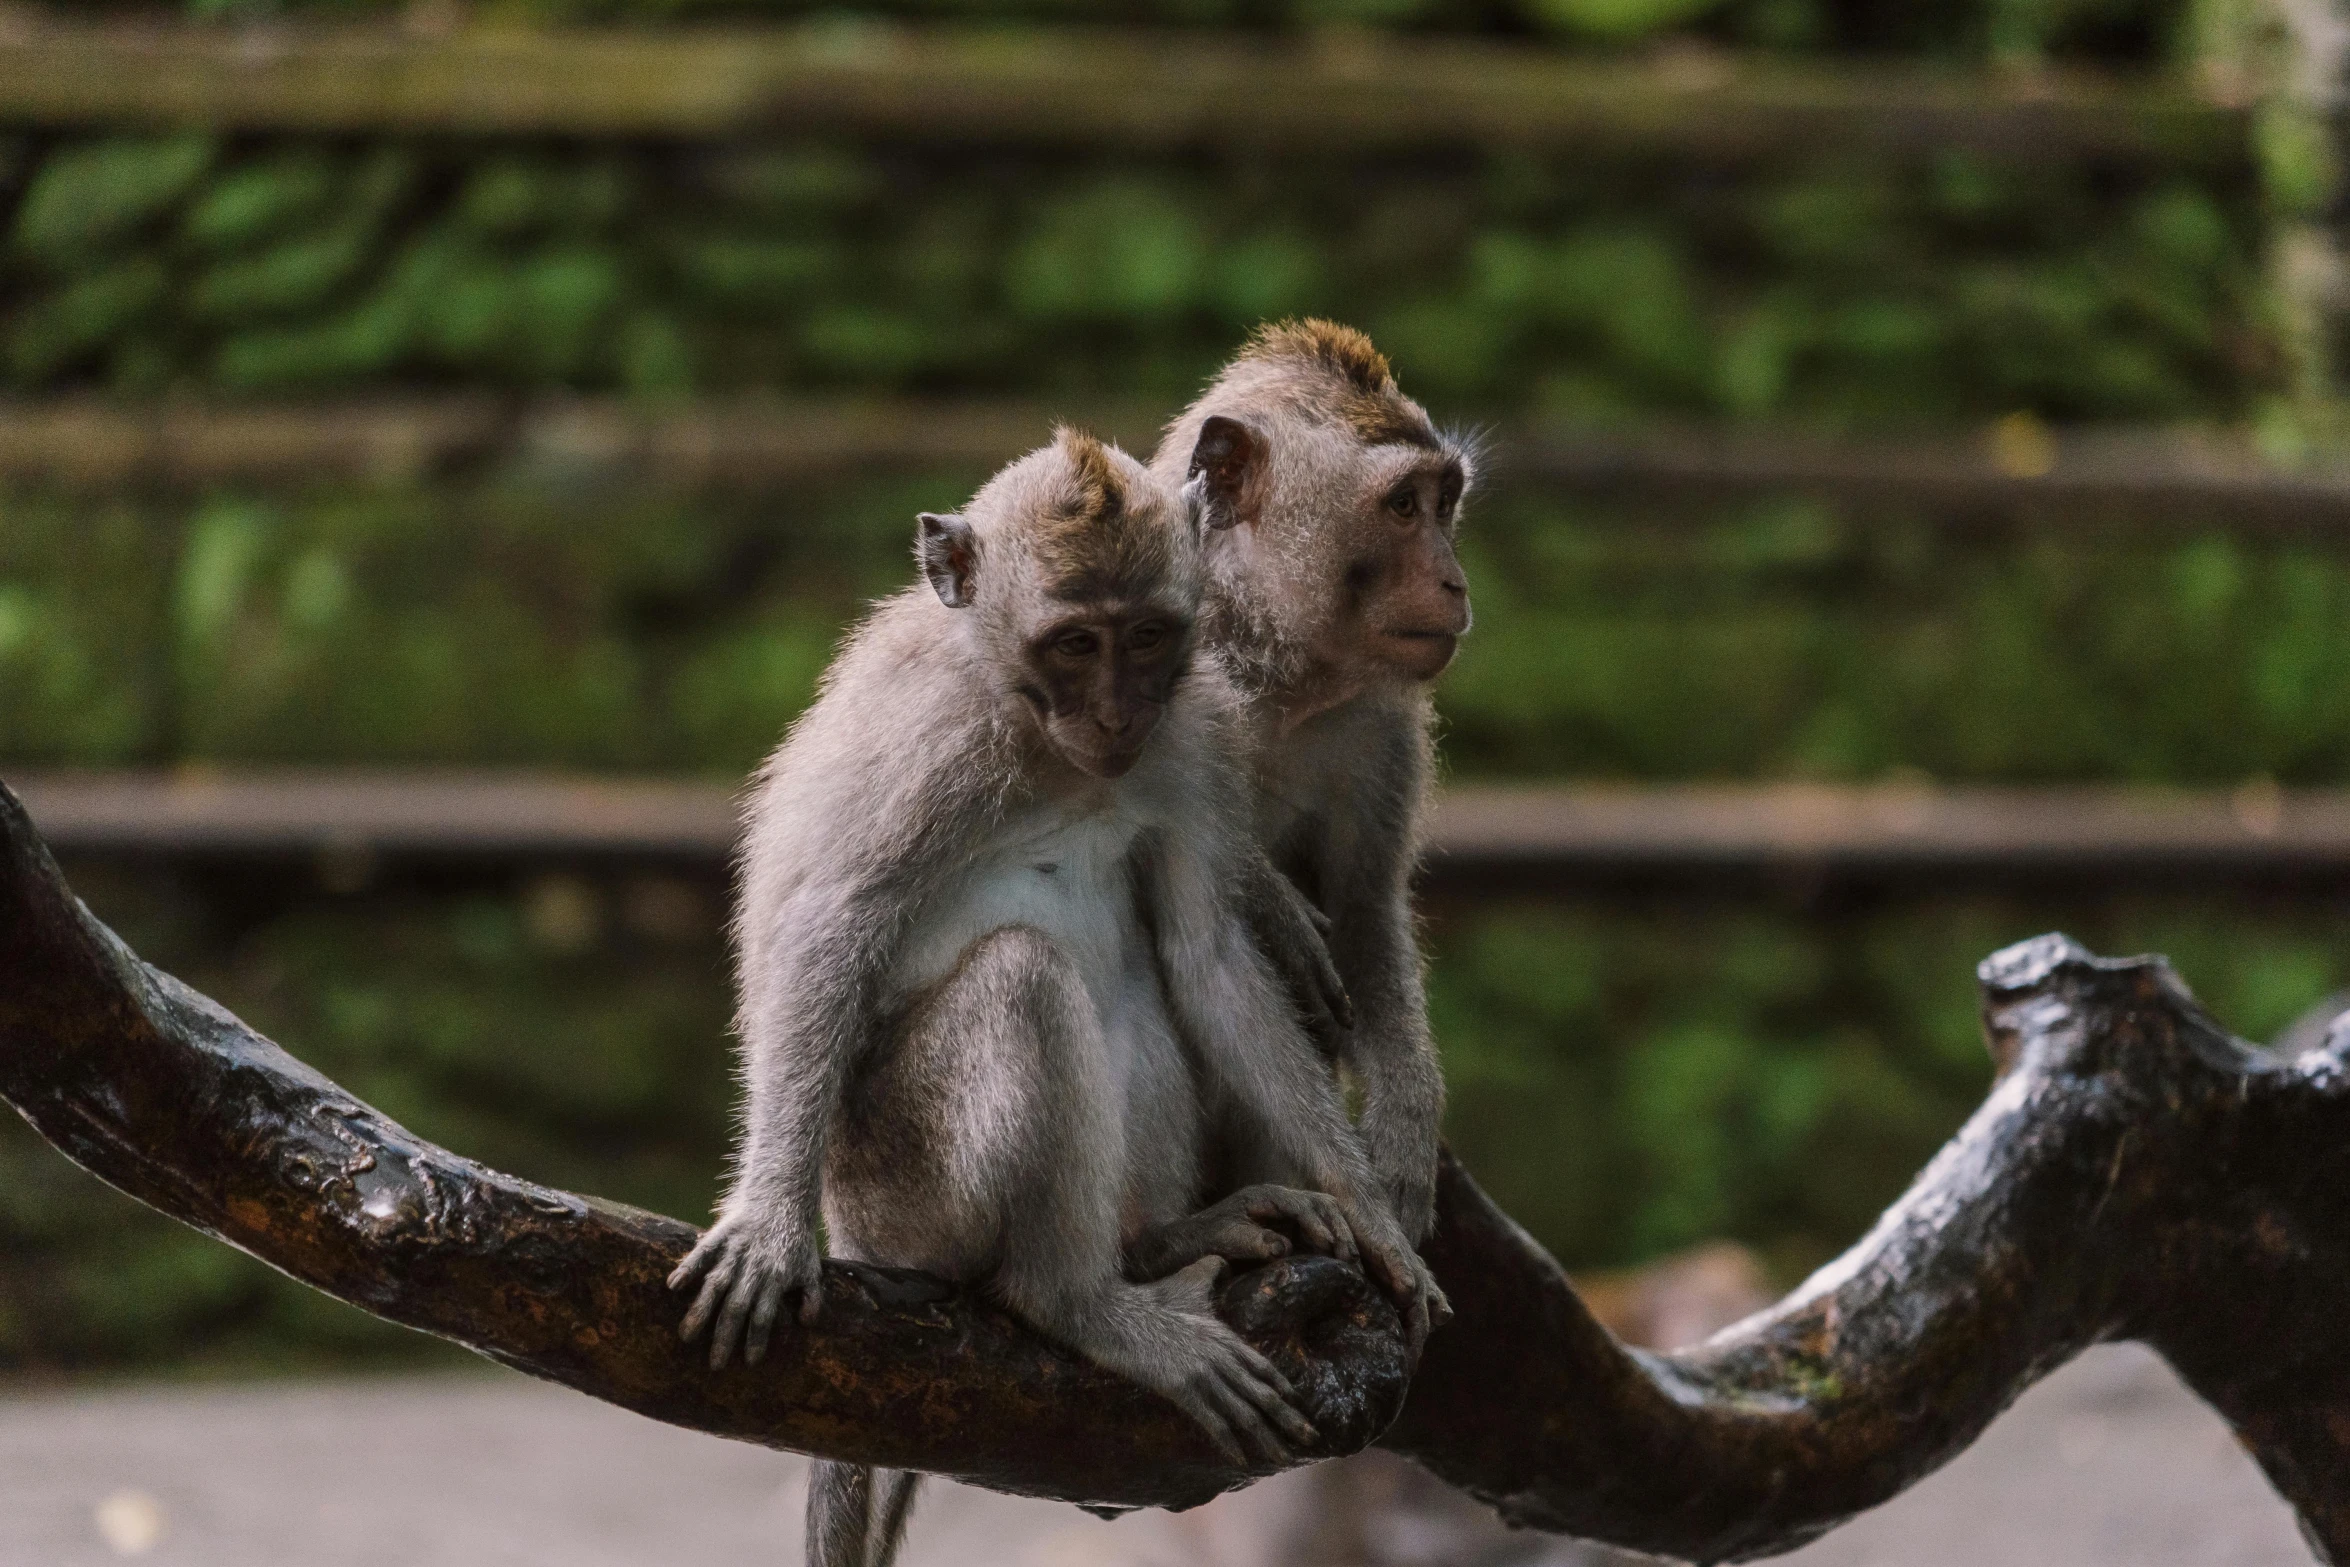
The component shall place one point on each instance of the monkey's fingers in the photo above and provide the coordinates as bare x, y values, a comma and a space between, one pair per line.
1261, 1369
1415, 1328
714, 1288
1408, 1280
697, 1262
732, 1316
1430, 1311
1241, 1413
1330, 1011
1320, 1222
1204, 1415
1334, 995
1243, 1240
767, 1302
1274, 1399
812, 1296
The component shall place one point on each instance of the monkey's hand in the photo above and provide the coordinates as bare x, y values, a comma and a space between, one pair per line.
1295, 937
1254, 1224
1212, 1374
1390, 1261
748, 1267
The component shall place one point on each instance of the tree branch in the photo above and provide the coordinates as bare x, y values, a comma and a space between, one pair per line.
2135, 1173
160, 1092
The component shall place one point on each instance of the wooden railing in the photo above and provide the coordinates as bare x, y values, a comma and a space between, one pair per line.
2148, 477
1353, 91
1477, 831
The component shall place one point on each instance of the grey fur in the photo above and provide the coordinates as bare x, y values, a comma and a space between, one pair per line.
997, 1011
856, 1515
1344, 754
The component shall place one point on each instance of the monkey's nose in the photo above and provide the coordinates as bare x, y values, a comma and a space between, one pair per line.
1125, 726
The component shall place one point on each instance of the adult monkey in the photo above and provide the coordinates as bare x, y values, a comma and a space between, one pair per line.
1334, 596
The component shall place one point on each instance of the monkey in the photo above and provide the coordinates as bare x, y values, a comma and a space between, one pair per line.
998, 994
1335, 598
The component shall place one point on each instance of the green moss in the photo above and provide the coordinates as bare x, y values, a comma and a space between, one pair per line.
1840, 289
533, 619
1791, 642
89, 196
81, 626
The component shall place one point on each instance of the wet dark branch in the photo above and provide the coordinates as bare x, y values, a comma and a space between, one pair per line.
2135, 1173
160, 1092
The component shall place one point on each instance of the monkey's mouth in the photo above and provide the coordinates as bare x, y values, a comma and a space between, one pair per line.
1090, 754
1423, 655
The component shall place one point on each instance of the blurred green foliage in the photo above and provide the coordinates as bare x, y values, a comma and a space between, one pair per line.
539, 620
1633, 1078
1851, 290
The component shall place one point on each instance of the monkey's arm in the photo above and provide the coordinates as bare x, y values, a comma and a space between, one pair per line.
842, 845
1226, 998
811, 971
1362, 858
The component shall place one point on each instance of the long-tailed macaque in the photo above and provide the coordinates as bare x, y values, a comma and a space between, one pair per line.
1335, 599
1000, 1001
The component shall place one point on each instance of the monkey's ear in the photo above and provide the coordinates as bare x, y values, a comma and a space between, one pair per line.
1226, 461
949, 552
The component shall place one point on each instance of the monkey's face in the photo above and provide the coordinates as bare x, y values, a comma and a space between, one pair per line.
1404, 581
1343, 538
1399, 603
1100, 676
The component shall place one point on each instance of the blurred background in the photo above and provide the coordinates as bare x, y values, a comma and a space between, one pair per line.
441, 444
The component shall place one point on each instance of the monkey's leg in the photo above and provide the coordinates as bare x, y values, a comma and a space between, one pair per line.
893, 1504
1002, 1080
856, 1516
840, 1510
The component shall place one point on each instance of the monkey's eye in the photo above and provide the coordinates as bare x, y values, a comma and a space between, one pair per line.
1076, 644
1148, 637
1404, 501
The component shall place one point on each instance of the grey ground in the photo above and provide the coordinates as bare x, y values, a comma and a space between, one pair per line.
2110, 1464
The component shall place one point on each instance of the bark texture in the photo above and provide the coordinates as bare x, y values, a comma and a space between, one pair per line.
2135, 1173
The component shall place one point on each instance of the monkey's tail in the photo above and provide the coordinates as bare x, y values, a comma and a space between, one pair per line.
857, 1515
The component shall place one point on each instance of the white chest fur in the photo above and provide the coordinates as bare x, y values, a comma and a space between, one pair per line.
1068, 876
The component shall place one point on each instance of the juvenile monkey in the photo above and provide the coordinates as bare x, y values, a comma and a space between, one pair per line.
998, 996
1334, 596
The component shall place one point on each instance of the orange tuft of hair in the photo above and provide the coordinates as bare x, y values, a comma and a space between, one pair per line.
1330, 345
